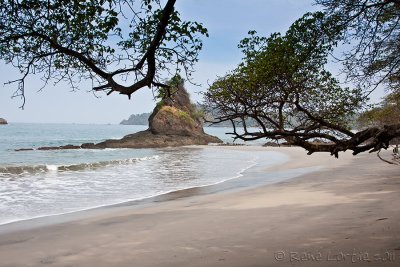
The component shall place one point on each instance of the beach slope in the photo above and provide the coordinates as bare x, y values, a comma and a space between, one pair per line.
345, 214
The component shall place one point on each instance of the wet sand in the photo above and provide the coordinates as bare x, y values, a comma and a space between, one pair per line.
344, 214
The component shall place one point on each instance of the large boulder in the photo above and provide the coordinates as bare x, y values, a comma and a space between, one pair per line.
170, 120
176, 116
174, 122
3, 121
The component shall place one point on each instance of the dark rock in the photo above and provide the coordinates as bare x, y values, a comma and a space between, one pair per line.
88, 146
58, 147
49, 148
146, 139
23, 149
70, 147
3, 121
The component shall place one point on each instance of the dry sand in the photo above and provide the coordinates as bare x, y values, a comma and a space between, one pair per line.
345, 214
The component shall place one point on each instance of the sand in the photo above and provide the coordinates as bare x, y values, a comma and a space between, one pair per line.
344, 214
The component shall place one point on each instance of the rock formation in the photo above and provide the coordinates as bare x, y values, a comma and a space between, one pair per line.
3, 121
174, 122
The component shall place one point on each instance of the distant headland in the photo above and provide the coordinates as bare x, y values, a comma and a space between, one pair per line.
137, 119
3, 121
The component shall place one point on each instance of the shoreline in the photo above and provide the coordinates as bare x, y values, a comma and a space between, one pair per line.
136, 197
348, 206
230, 184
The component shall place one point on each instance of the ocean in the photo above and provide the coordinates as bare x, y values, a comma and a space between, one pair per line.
42, 183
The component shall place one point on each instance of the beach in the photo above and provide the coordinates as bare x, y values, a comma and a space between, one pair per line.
344, 213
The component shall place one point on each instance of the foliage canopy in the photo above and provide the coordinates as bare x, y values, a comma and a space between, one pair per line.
283, 86
386, 113
372, 30
120, 45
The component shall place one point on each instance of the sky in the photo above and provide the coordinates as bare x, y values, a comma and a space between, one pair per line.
227, 21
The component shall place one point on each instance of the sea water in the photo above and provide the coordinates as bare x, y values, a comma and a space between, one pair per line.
42, 183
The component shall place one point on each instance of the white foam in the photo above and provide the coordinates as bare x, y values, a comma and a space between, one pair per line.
52, 168
178, 169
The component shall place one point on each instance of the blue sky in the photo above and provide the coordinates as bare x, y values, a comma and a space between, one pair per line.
228, 21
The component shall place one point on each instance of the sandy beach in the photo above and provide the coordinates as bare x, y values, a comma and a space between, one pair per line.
344, 214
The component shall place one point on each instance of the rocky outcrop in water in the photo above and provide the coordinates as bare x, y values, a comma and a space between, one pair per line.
174, 122
3, 121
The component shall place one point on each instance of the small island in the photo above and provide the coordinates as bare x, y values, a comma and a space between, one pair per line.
175, 121
3, 121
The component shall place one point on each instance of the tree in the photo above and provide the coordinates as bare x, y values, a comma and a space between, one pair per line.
372, 29
120, 45
282, 84
386, 113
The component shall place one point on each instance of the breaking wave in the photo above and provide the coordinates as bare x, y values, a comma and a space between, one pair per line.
35, 169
